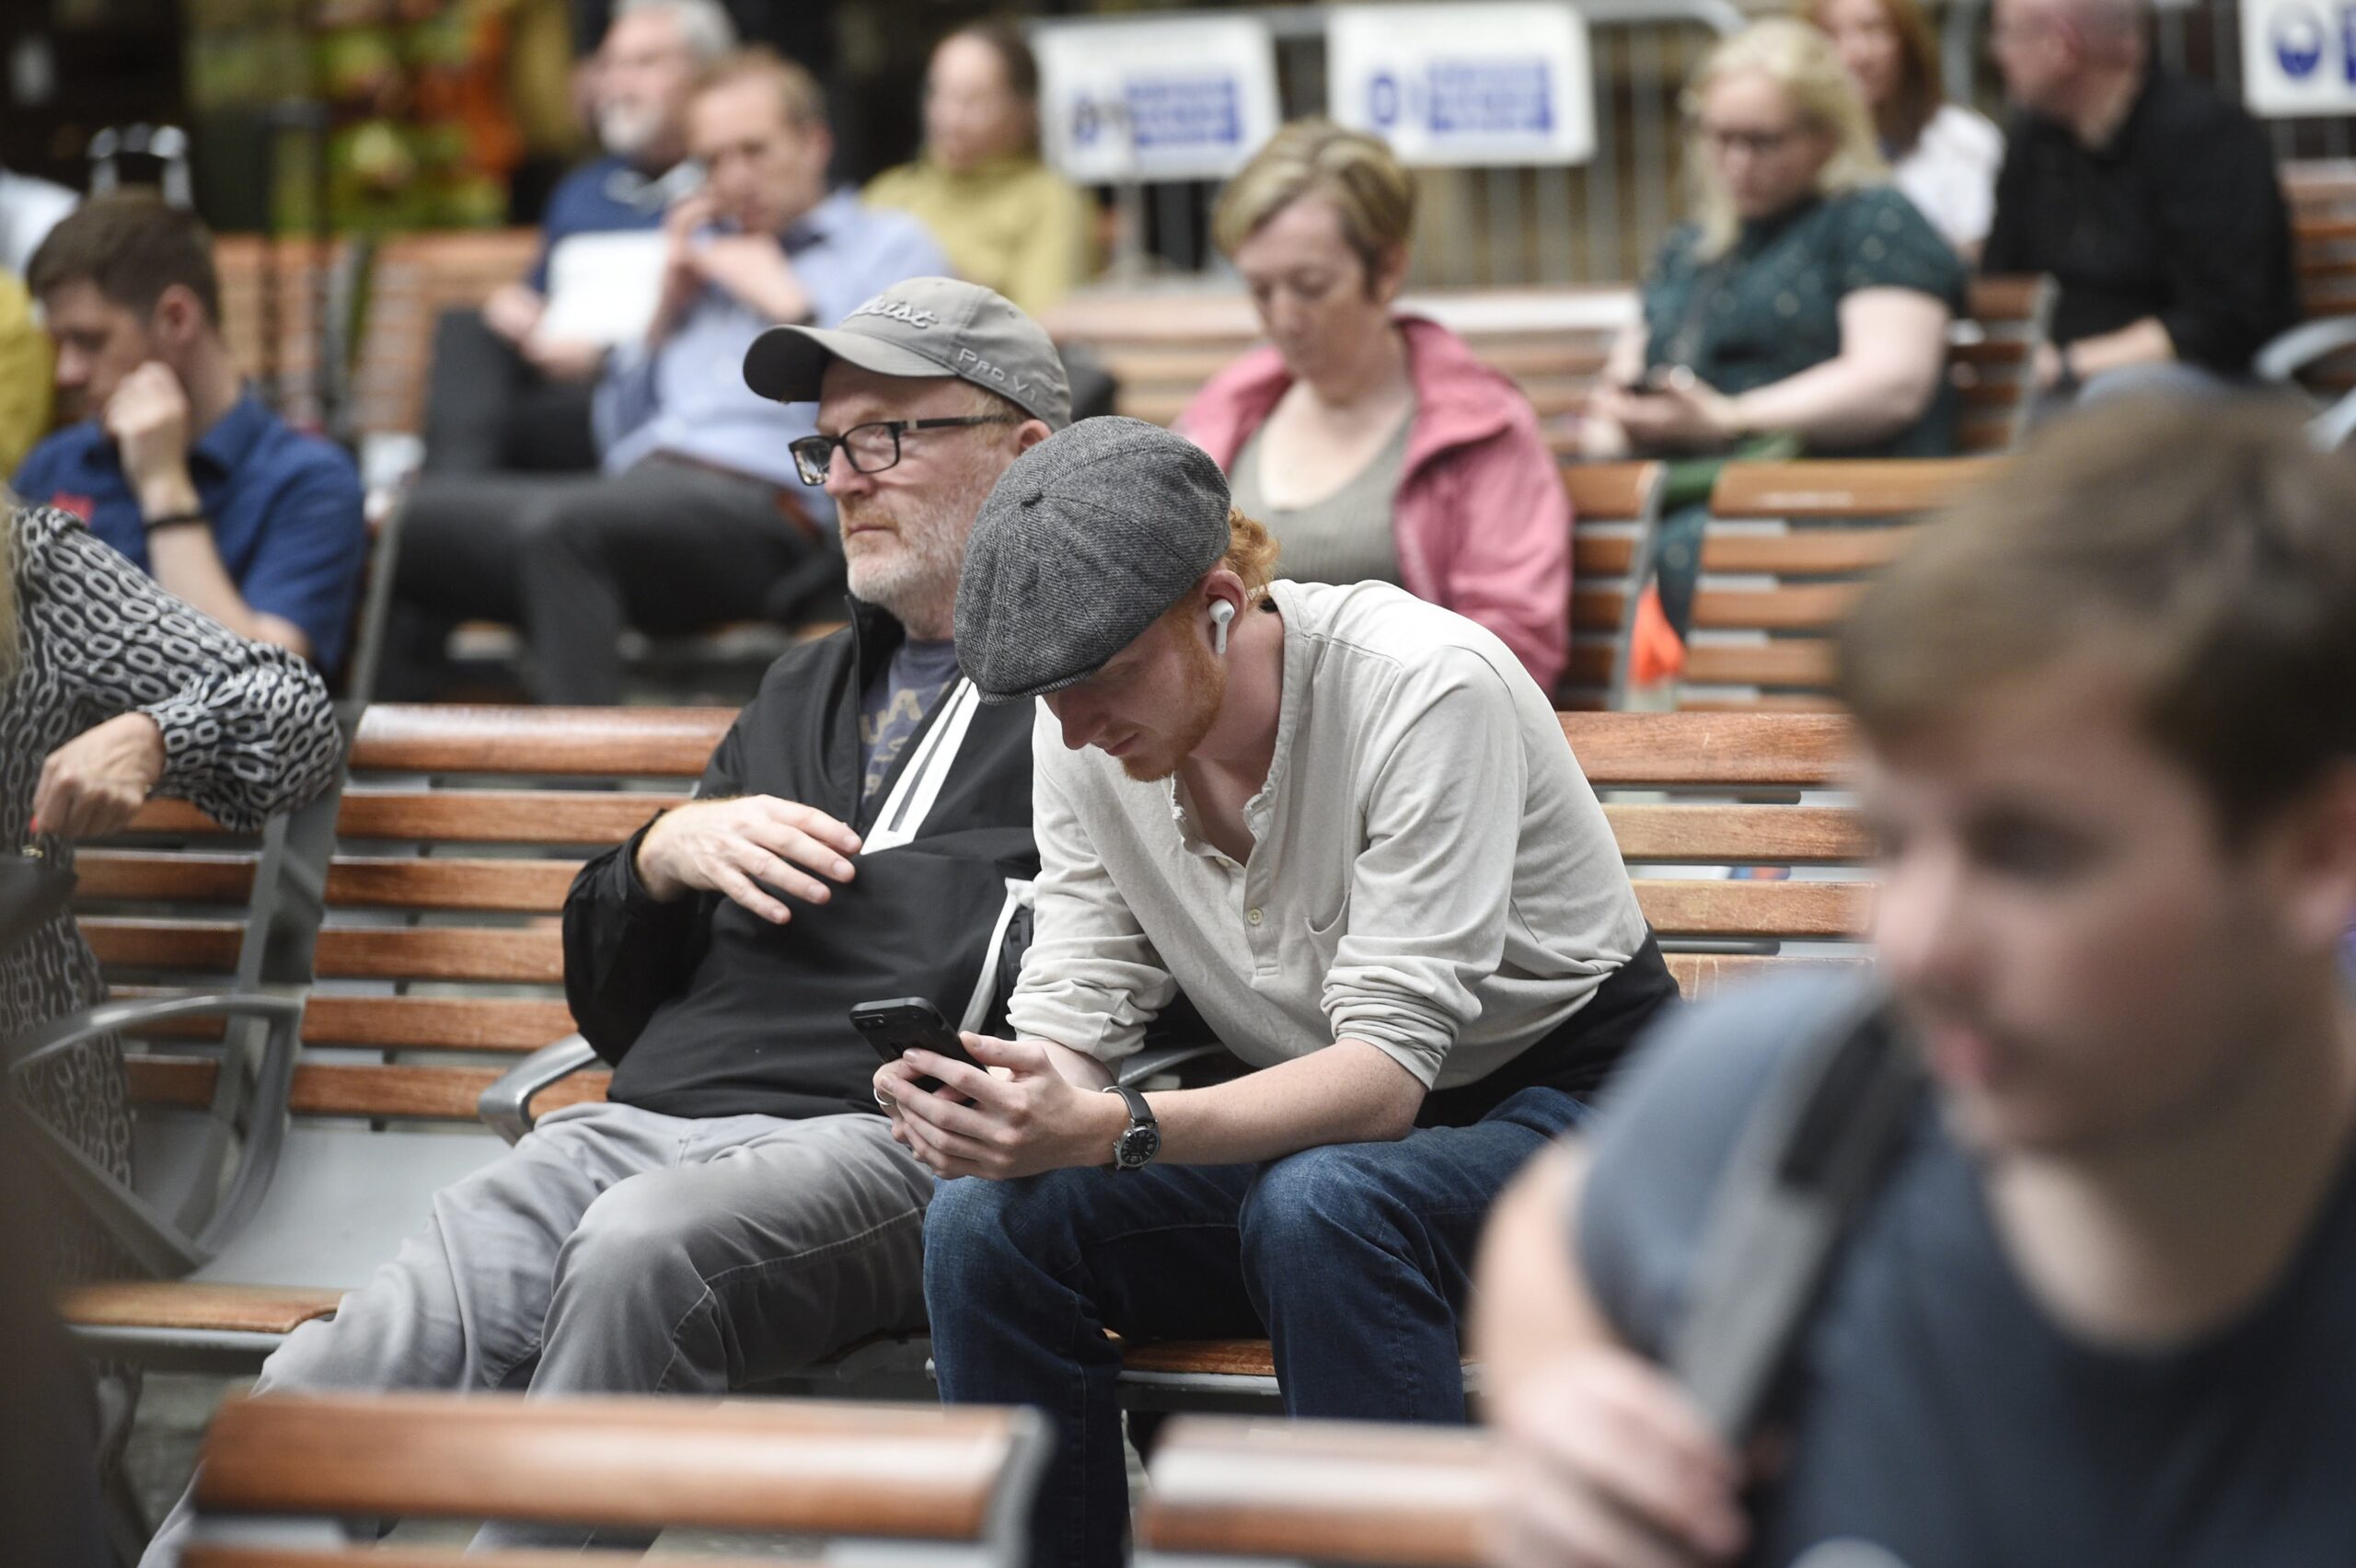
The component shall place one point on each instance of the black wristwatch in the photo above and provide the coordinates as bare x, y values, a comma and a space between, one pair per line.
2065, 379
1140, 1140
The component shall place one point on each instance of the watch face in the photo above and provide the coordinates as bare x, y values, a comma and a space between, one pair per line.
1135, 1147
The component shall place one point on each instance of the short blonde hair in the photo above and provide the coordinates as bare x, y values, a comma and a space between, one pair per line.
1802, 62
1316, 158
799, 96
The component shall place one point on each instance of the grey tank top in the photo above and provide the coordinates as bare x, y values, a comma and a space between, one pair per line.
1346, 537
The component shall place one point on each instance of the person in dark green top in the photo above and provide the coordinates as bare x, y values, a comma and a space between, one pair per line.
1805, 309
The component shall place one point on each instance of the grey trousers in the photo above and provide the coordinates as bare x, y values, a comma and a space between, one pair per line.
615, 1250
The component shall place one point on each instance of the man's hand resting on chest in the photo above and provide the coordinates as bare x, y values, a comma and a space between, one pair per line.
747, 849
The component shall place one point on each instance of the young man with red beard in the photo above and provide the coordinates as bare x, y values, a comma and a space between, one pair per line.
2095, 1309
1346, 824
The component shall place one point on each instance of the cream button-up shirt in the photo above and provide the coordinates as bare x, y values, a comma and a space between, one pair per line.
1430, 872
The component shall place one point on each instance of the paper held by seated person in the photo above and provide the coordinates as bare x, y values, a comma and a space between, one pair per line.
602, 287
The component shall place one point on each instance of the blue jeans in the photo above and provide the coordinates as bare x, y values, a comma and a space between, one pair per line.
1353, 1259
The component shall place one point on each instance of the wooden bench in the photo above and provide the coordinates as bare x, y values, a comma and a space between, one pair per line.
1785, 551
803, 1469
1614, 508
308, 287
1320, 1491
439, 964
412, 280
1552, 343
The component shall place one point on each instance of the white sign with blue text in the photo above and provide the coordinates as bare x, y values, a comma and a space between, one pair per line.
1122, 101
2299, 56
1472, 85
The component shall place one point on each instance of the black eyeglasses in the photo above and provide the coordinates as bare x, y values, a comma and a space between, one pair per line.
872, 448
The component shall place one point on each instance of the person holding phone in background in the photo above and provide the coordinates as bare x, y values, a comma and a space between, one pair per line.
1805, 309
737, 1207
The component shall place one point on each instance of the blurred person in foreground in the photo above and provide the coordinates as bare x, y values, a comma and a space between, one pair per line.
2096, 1309
1804, 310
1372, 444
505, 392
2153, 202
112, 690
735, 1207
1345, 824
698, 518
178, 464
1943, 156
1007, 220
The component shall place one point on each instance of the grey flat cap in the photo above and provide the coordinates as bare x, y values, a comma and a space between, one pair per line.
1085, 541
922, 326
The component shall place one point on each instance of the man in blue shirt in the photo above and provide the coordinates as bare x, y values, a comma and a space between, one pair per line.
178, 466
698, 518
507, 392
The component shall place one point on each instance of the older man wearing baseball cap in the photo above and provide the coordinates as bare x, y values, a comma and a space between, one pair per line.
737, 1207
1345, 822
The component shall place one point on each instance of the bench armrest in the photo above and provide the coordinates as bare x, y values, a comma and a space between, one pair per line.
2293, 352
507, 1106
1165, 1058
162, 1244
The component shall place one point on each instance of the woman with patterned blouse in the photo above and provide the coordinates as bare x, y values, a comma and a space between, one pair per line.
112, 690
1807, 305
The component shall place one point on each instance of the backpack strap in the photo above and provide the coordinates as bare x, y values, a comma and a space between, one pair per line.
1808, 1160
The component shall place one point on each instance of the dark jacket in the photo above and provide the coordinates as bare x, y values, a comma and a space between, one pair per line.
706, 1009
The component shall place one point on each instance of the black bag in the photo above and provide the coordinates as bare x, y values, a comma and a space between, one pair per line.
1805, 1167
33, 891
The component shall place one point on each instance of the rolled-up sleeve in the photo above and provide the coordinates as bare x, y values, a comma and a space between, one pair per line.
1091, 979
1427, 905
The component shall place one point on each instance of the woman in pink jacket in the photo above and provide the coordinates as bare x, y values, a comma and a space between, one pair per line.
1373, 445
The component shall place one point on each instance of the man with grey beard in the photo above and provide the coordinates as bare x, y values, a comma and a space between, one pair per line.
737, 1207
508, 394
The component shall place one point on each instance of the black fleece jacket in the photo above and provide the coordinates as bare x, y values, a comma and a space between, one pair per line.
708, 1011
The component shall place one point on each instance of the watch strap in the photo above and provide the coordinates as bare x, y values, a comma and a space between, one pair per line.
1140, 1114
173, 520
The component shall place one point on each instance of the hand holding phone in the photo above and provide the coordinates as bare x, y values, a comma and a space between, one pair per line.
890, 1028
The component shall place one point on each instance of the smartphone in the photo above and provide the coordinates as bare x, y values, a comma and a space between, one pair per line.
892, 1027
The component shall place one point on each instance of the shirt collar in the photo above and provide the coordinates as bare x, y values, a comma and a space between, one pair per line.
232, 436
820, 224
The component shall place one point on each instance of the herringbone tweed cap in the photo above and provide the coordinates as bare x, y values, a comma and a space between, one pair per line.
1087, 538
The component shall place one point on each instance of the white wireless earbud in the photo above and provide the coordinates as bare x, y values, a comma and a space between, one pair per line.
1221, 613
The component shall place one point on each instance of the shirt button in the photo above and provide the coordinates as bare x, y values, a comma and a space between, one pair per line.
1252, 916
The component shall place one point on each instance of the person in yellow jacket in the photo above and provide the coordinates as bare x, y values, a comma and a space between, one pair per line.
1007, 220
25, 356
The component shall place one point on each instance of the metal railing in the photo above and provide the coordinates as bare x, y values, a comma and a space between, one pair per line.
1596, 223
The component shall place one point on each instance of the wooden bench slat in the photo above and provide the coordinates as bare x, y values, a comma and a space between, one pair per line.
442, 952
355, 1089
752, 1465
1783, 661
440, 1023
1703, 749
498, 816
193, 1306
1695, 908
1841, 489
1323, 1491
509, 1024
524, 887
1719, 835
1617, 492
670, 742
1806, 606
180, 877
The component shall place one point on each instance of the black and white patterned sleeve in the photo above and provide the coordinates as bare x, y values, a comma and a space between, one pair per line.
249, 730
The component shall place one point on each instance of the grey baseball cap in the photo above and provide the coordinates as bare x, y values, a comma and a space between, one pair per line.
922, 326
1087, 538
